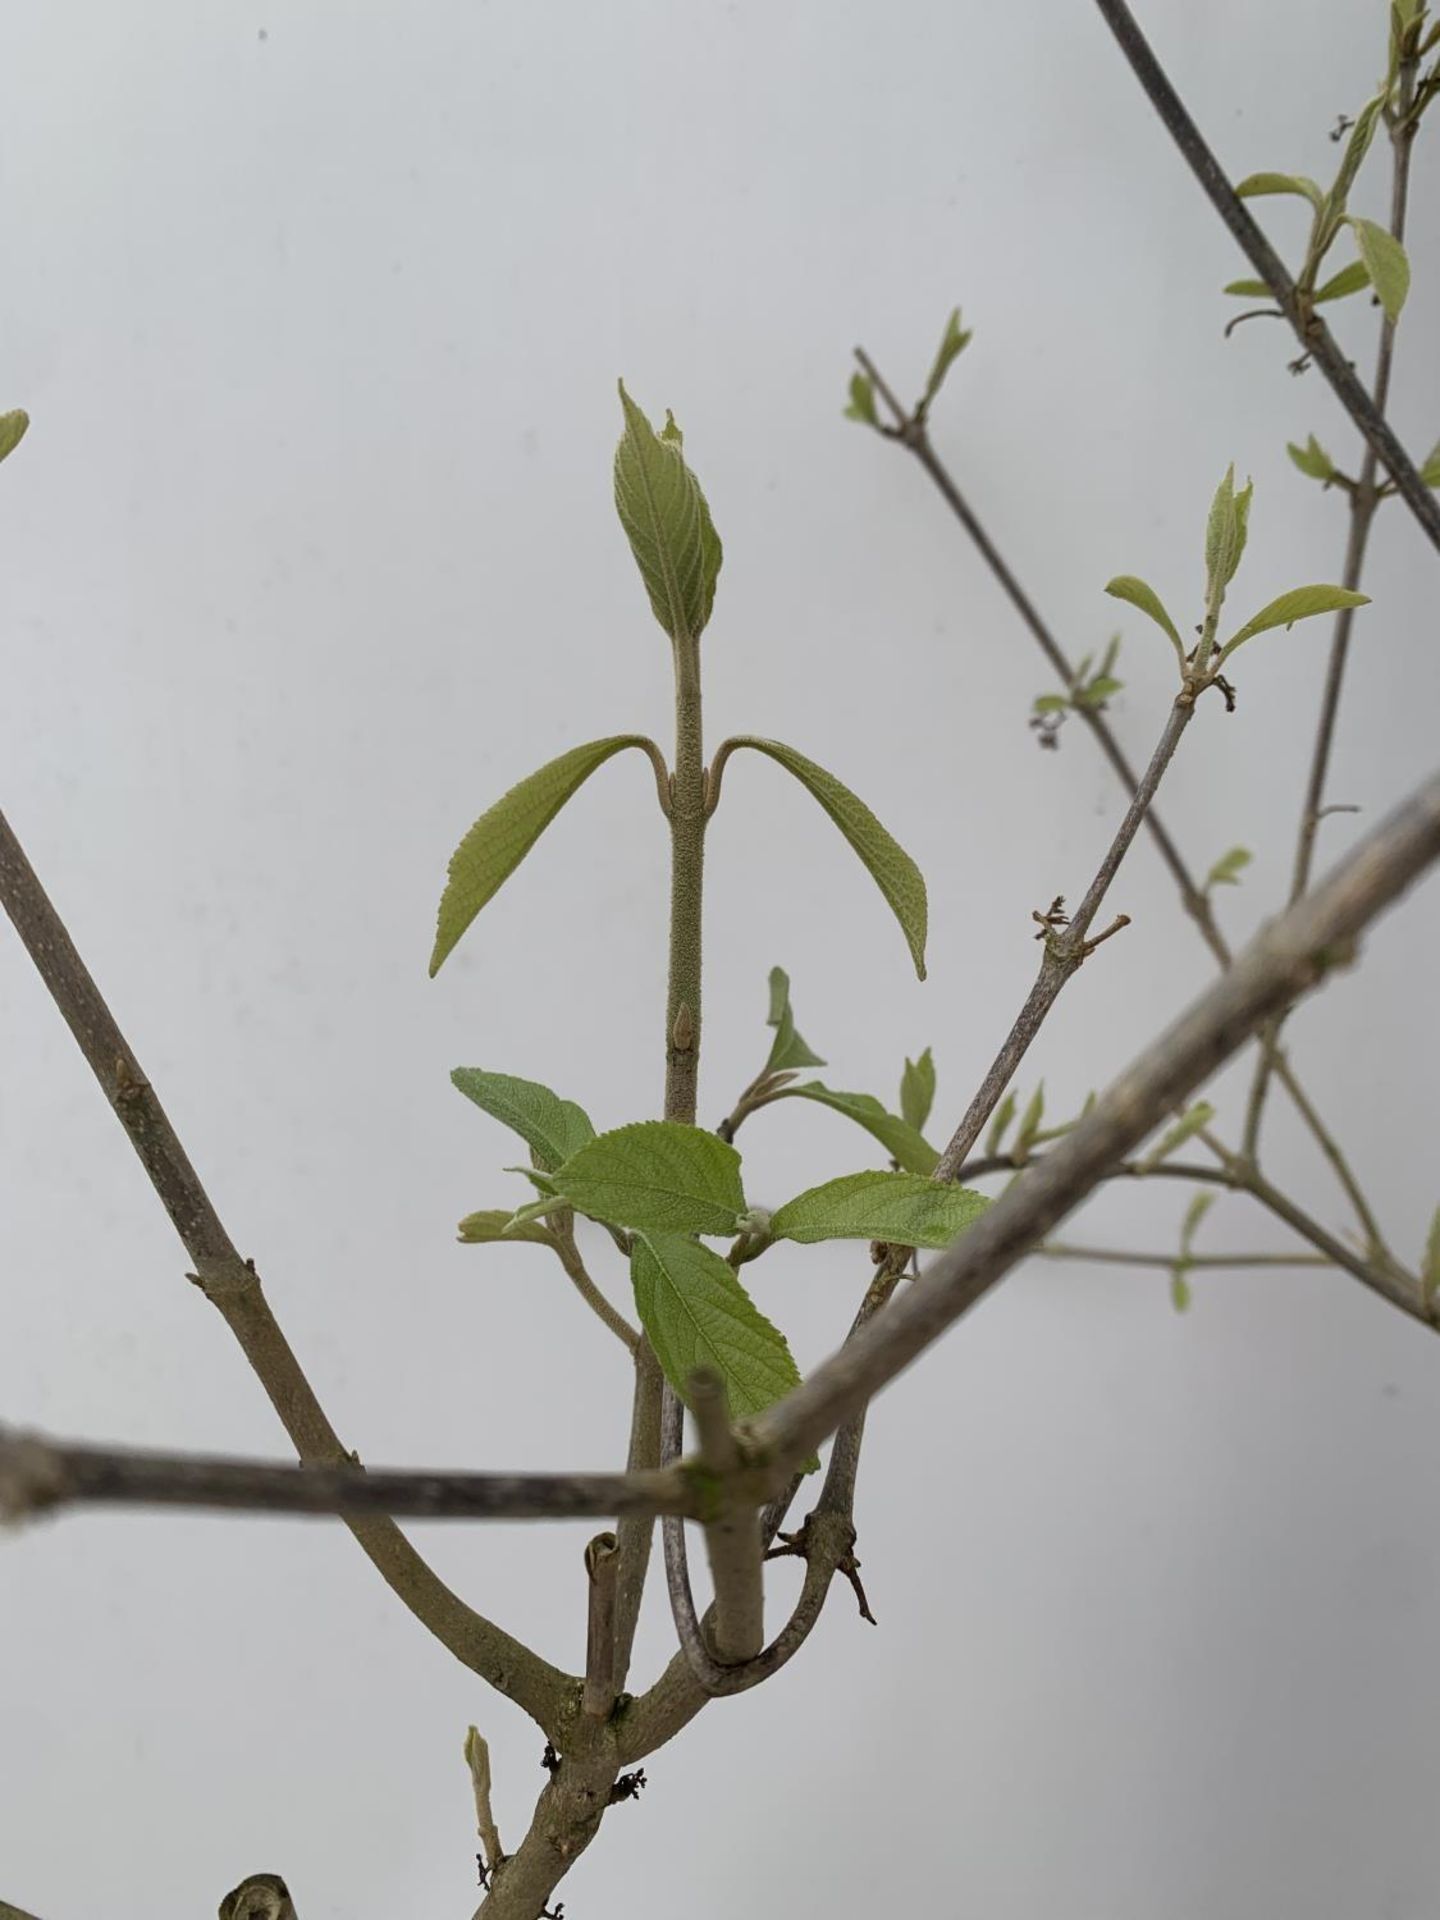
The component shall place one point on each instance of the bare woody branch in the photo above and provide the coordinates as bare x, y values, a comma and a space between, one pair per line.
1311, 331
1288, 958
231, 1284
732, 1530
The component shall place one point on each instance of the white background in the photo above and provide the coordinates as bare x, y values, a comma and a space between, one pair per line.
318, 309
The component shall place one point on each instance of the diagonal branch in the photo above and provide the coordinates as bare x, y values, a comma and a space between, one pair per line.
232, 1285
1285, 960
1311, 331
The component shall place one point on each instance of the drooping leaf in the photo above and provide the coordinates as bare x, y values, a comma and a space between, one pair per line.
1179, 1289
1430, 1265
1228, 868
953, 343
1312, 459
1126, 586
13, 428
862, 401
482, 1229
1430, 472
1300, 603
1249, 289
1004, 1114
697, 1314
902, 1142
666, 522
1385, 262
904, 1208
658, 1177
1348, 280
787, 1050
917, 1090
1256, 184
1194, 1214
1185, 1128
552, 1128
501, 838
891, 868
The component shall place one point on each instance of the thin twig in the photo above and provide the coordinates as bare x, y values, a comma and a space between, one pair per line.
562, 1229
1285, 960
233, 1286
1119, 1257
732, 1532
1311, 331
636, 1531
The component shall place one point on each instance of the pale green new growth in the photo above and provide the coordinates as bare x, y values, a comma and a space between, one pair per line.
13, 428
666, 522
697, 1314
1430, 472
552, 1128
1226, 532
1185, 1128
1179, 1281
1332, 211
1139, 593
1312, 459
1029, 1128
1385, 263
1004, 1114
501, 838
657, 1177
1228, 868
917, 1090
1348, 280
953, 343
904, 1208
1256, 184
862, 401
891, 868
1300, 603
787, 1050
483, 1229
903, 1142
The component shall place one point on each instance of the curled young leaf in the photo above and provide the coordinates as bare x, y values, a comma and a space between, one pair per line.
787, 1050
501, 837
697, 1314
1301, 603
1139, 593
1312, 459
1385, 262
1004, 1114
890, 867
903, 1208
552, 1128
1256, 184
862, 401
953, 343
1194, 1214
1228, 868
1226, 532
666, 522
656, 1176
917, 1090
498, 1224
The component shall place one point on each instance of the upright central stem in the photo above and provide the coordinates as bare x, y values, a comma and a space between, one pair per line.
687, 860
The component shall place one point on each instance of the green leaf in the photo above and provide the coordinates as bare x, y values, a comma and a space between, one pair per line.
482, 1229
1029, 1124
1257, 184
1228, 868
1051, 703
666, 522
1348, 280
902, 1141
1385, 262
917, 1090
1250, 289
1097, 691
1185, 1128
501, 838
1301, 603
890, 867
658, 1177
1179, 1290
1126, 586
697, 1314
1312, 459
862, 401
1430, 1265
903, 1208
953, 343
552, 1128
1194, 1214
787, 1050
1004, 1114
1330, 214
1430, 472
13, 428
